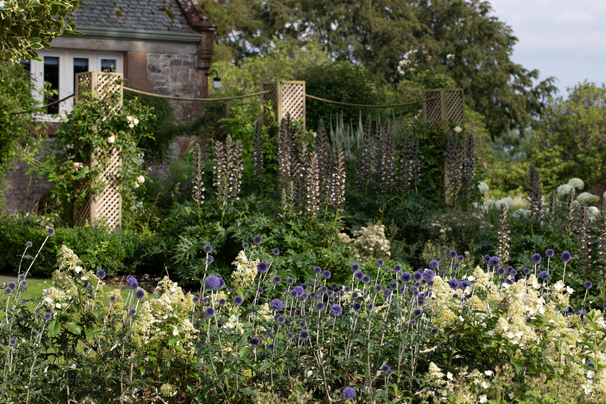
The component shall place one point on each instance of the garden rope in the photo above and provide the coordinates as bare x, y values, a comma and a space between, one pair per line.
196, 99
368, 106
44, 106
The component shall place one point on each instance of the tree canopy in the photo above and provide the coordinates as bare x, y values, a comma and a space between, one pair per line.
28, 25
378, 33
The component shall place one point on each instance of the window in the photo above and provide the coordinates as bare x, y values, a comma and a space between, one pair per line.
59, 68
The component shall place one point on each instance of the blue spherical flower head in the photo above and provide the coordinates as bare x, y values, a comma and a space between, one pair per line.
23, 284
257, 240
112, 299
133, 284
366, 279
336, 310
434, 264
209, 311
290, 335
357, 306
460, 258
509, 269
320, 306
428, 275
222, 302
276, 305
50, 232
329, 293
413, 322
326, 274
299, 290
101, 274
23, 300
313, 295
195, 299
245, 246
397, 268
536, 259
347, 289
380, 262
305, 286
12, 342
453, 283
293, 294
322, 289
208, 249
355, 267
12, 286
452, 254
212, 282
238, 300
277, 279
304, 335
359, 275
275, 251
566, 257
260, 290
513, 272
604, 306
544, 275
464, 284
501, 271
210, 259
486, 259
377, 288
418, 275
588, 285
349, 393
262, 267
280, 320
255, 341
47, 316
370, 306
29, 244
457, 265
526, 271
317, 270
417, 312
406, 277
494, 262
132, 312
549, 253
385, 369
140, 294
290, 281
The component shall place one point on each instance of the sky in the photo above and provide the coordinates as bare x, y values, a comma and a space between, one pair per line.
561, 38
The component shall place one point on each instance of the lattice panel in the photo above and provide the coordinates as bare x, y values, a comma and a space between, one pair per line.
106, 206
444, 108
272, 96
454, 107
289, 98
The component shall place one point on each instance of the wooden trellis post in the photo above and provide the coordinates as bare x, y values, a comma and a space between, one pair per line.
107, 205
288, 98
444, 107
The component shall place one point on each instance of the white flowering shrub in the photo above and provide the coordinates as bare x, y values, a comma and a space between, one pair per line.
370, 241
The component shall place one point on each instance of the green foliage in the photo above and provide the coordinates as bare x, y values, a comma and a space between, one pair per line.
94, 131
26, 26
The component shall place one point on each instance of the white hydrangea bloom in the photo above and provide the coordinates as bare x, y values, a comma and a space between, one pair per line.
509, 201
489, 203
587, 197
500, 204
483, 188
594, 213
521, 213
564, 190
577, 183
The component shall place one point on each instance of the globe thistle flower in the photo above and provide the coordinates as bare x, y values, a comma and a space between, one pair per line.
357, 306
29, 244
195, 299
290, 281
536, 259
406, 277
355, 267
501, 271
453, 283
417, 312
464, 284
460, 258
47, 316
12, 286
604, 306
486, 259
413, 322
50, 231
566, 257
260, 290
208, 249
101, 274
12, 342
326, 274
435, 331
275, 251
133, 284
457, 265
210, 259
549, 253
434, 264
526, 271
293, 294
323, 289
257, 240
298, 290
544, 274
329, 293
347, 289
397, 268
377, 288
380, 262
23, 300
428, 275
513, 272
494, 262
315, 283
132, 312
112, 299
222, 302
349, 393
386, 370
304, 335
317, 270
588, 285
417, 275
238, 300
140, 294
245, 246
276, 305
209, 311
255, 341
366, 279
370, 306
23, 284
336, 310
359, 275
262, 267
452, 254
212, 282
205, 300
280, 319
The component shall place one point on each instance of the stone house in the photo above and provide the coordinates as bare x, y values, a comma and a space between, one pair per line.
161, 46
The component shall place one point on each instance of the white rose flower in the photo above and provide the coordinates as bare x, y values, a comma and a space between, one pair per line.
458, 129
483, 399
111, 139
141, 179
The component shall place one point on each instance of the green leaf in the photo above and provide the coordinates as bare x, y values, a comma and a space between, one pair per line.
54, 9
518, 365
36, 46
90, 336
73, 327
53, 328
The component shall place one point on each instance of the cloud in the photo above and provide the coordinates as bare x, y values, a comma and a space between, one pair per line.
560, 38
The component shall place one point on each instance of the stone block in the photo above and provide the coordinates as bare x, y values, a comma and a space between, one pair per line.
180, 74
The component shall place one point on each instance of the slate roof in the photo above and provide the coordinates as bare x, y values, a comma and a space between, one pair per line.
142, 15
